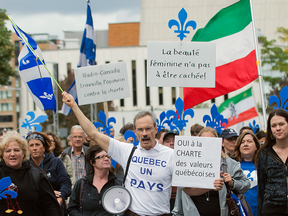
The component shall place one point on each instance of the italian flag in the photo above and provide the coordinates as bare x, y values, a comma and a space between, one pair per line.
239, 108
231, 29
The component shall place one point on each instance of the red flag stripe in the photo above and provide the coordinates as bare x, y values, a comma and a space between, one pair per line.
248, 114
229, 77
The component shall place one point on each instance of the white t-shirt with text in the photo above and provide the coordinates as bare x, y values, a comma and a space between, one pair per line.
149, 178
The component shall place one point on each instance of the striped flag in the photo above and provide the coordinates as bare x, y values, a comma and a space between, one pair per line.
87, 55
239, 108
232, 31
34, 74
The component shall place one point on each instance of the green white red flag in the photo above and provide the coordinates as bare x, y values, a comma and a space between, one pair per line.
239, 108
232, 31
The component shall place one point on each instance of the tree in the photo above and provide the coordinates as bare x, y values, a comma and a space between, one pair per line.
277, 57
6, 51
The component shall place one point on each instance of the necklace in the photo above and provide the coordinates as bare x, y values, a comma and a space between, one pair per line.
207, 196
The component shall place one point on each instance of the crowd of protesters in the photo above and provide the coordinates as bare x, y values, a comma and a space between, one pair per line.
39, 177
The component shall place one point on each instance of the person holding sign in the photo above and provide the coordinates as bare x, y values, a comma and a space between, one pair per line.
206, 202
149, 178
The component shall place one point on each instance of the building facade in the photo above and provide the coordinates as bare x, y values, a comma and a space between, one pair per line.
128, 42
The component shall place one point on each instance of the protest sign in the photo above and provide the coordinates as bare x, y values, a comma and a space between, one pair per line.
197, 161
181, 64
101, 83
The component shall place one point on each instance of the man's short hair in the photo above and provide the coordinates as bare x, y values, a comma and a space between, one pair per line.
145, 113
158, 135
128, 126
195, 129
245, 128
77, 127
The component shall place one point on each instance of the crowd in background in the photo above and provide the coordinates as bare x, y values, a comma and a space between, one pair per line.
51, 180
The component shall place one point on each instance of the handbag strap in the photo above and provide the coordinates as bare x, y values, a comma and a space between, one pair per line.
80, 192
128, 164
225, 171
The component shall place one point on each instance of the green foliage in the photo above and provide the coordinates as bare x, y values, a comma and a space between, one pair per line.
274, 55
6, 51
277, 58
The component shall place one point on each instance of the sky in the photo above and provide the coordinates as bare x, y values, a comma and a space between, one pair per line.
54, 16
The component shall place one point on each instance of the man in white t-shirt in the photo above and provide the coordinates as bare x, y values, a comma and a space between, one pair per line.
149, 178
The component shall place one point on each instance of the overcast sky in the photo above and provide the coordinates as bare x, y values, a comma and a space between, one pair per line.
54, 16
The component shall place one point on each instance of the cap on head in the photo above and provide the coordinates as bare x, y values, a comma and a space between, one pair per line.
227, 133
170, 132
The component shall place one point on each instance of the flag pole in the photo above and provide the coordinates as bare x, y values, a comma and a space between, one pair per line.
33, 51
258, 62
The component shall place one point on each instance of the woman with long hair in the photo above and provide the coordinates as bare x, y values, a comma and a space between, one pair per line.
246, 149
272, 166
57, 149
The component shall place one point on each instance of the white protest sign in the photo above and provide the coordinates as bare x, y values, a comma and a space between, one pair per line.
101, 83
197, 161
181, 64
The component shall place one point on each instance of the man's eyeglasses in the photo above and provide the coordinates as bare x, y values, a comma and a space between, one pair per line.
148, 129
77, 137
102, 156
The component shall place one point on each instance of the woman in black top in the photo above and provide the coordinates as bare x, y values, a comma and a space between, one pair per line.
24, 189
272, 166
88, 198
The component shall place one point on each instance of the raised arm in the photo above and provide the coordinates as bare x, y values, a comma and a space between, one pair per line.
85, 123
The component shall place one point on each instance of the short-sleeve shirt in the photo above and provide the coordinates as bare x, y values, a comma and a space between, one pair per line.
149, 178
250, 171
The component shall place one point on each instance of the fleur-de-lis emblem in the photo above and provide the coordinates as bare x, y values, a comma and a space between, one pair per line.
216, 121
106, 127
254, 126
283, 98
4, 183
32, 122
180, 122
47, 96
129, 134
181, 28
162, 121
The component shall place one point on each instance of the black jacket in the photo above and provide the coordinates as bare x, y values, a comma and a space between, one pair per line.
272, 183
90, 198
31, 200
85, 149
56, 173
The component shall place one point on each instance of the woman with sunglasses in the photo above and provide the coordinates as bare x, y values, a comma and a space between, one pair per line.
88, 191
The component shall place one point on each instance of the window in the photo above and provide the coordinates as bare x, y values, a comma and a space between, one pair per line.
6, 118
5, 94
6, 107
16, 52
213, 100
147, 88
160, 89
134, 83
225, 97
122, 104
173, 95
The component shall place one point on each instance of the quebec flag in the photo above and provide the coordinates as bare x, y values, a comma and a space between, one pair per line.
34, 74
87, 55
